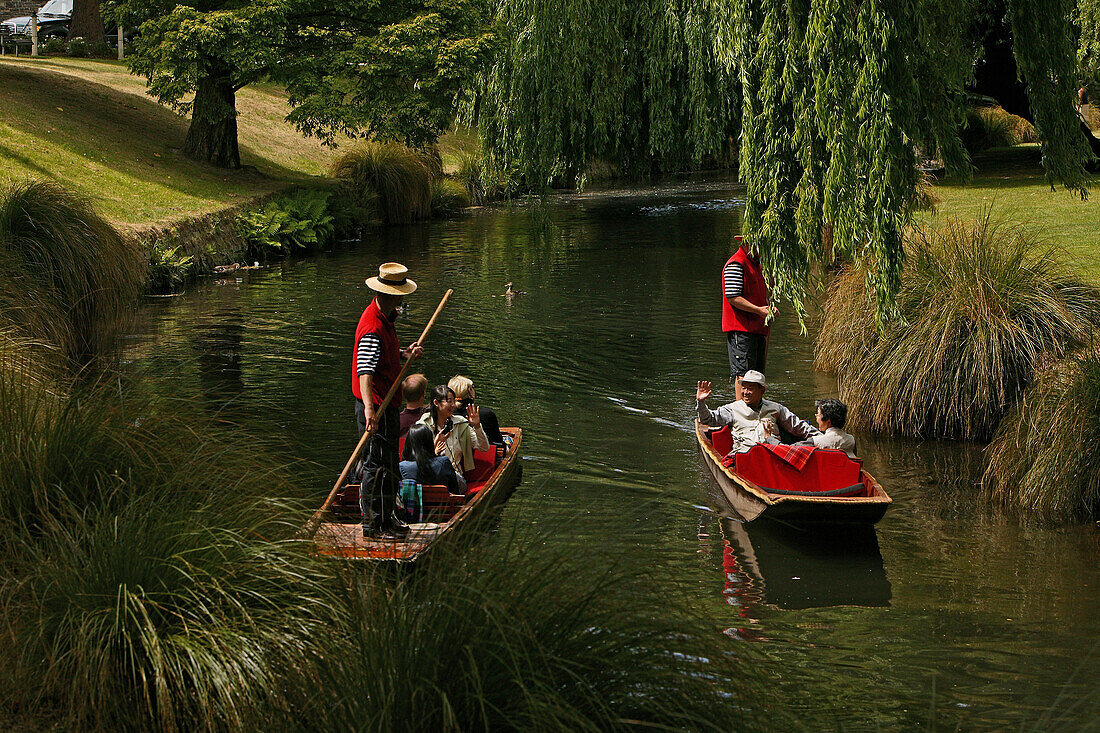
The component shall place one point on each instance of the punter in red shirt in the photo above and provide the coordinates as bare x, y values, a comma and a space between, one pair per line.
745, 308
376, 364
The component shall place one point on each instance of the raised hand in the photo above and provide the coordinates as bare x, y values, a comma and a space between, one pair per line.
703, 391
473, 415
413, 351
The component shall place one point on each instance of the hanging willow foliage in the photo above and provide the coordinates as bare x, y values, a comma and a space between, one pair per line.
835, 99
635, 83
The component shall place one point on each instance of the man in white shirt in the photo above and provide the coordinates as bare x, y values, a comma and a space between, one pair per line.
750, 415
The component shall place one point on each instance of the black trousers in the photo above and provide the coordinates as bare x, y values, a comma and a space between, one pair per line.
747, 351
381, 470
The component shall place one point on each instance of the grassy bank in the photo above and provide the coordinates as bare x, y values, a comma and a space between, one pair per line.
1012, 181
89, 125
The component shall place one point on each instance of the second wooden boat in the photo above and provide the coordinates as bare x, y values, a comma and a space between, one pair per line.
861, 499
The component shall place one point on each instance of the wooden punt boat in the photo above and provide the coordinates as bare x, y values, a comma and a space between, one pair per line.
864, 504
494, 478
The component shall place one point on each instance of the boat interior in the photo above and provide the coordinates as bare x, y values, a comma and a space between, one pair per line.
439, 505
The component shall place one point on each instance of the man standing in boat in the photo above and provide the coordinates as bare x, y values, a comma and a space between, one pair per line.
752, 419
745, 309
376, 364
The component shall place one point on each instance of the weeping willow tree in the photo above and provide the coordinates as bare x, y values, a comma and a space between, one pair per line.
634, 83
831, 102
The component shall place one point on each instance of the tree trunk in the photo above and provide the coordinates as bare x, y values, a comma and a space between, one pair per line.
212, 137
87, 21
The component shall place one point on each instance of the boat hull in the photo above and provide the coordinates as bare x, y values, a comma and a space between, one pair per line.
749, 501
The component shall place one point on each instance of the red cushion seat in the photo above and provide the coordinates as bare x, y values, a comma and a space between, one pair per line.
825, 471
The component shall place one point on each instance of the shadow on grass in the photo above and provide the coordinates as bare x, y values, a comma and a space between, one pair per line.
132, 135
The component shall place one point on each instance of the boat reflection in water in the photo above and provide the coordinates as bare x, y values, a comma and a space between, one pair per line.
791, 568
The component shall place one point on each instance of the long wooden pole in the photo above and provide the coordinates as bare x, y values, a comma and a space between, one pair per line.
315, 520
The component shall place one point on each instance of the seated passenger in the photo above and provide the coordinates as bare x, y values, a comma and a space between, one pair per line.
831, 416
421, 462
413, 388
464, 397
464, 437
750, 416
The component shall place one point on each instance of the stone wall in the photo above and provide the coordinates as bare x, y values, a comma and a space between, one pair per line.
16, 8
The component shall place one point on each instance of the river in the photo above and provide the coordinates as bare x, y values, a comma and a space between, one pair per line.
948, 614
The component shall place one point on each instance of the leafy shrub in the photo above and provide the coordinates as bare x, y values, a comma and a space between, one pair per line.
400, 177
168, 269
993, 127
982, 305
78, 47
449, 197
101, 50
300, 221
1046, 456
69, 278
54, 44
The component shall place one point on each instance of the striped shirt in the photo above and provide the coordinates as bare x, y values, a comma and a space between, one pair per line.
368, 354
734, 276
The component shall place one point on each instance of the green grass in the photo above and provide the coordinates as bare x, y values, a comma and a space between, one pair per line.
89, 125
982, 305
1011, 181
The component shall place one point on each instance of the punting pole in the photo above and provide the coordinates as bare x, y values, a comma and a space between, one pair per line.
315, 520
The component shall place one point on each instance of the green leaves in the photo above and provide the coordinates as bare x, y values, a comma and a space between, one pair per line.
298, 222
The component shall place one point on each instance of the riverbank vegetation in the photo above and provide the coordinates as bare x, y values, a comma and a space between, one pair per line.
982, 306
151, 578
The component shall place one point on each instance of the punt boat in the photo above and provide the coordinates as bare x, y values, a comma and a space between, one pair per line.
830, 488
495, 476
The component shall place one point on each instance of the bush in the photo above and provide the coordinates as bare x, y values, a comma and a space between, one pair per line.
993, 127
981, 306
54, 44
78, 47
1046, 456
400, 177
300, 221
168, 269
69, 278
101, 50
449, 197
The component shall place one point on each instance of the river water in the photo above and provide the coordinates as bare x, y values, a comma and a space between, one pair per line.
947, 614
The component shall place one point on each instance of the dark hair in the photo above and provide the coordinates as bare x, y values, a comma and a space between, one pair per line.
440, 393
833, 410
420, 448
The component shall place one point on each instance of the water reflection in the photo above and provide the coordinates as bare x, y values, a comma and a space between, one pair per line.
794, 568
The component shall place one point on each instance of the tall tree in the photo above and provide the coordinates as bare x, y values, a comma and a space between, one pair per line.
87, 22
388, 69
835, 99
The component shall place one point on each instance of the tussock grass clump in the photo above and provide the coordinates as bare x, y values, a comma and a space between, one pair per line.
507, 637
981, 306
993, 127
449, 197
68, 277
1045, 458
400, 177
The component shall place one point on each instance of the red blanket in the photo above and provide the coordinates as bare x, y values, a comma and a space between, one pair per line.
795, 456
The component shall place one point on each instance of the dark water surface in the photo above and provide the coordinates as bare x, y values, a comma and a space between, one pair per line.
945, 615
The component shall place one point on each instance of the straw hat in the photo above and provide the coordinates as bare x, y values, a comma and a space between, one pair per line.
393, 279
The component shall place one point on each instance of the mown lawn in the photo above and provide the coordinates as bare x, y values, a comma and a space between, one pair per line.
1011, 182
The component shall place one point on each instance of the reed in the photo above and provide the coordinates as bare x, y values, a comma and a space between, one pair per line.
69, 278
982, 305
399, 176
1045, 459
506, 636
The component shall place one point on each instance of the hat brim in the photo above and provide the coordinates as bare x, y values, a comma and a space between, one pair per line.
380, 287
